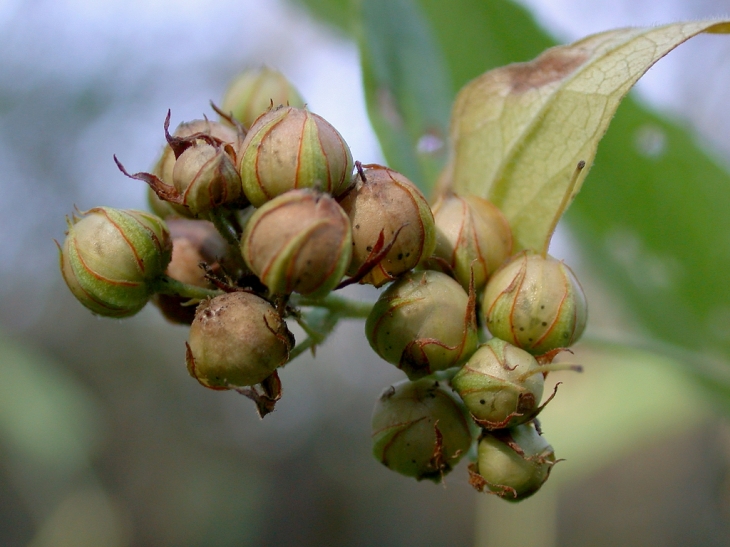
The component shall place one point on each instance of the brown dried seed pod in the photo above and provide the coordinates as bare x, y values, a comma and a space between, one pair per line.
383, 201
237, 339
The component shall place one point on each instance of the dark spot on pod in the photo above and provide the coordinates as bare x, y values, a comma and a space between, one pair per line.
482, 401
544, 324
369, 248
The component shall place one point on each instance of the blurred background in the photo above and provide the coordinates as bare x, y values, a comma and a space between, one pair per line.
106, 440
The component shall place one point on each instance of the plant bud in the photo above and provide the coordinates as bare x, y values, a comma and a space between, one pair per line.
206, 177
237, 339
501, 385
384, 203
110, 256
288, 148
255, 91
512, 463
298, 242
423, 322
193, 242
419, 430
165, 164
536, 303
471, 235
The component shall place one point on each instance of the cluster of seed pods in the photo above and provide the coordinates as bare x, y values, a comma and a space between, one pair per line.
265, 212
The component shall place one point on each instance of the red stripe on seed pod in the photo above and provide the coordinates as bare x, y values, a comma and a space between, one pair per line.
140, 262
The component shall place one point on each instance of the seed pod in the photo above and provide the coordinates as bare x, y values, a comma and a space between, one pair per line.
471, 235
383, 201
227, 135
206, 178
193, 242
165, 164
288, 148
110, 257
255, 91
512, 463
237, 339
501, 385
419, 430
423, 322
298, 242
535, 303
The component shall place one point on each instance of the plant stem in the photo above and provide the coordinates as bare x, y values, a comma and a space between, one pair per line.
167, 285
224, 227
338, 305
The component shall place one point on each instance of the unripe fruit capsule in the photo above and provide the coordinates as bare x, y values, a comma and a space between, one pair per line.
298, 242
535, 303
500, 384
472, 235
512, 463
289, 148
110, 257
206, 178
255, 91
237, 339
419, 430
383, 201
165, 164
423, 322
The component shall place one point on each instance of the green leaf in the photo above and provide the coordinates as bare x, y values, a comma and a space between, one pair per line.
407, 87
520, 133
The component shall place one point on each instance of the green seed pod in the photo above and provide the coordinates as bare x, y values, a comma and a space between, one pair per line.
472, 235
165, 164
299, 242
110, 257
423, 322
237, 339
288, 148
257, 90
535, 303
512, 463
419, 430
193, 242
501, 385
385, 204
206, 177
